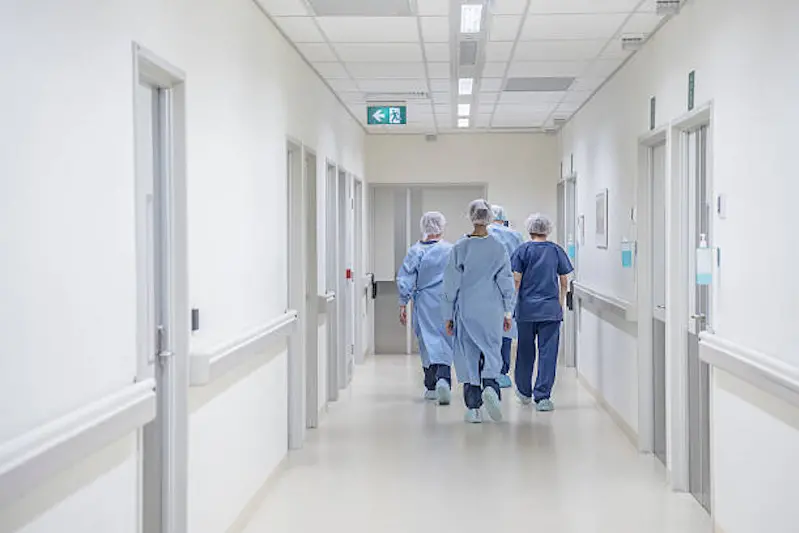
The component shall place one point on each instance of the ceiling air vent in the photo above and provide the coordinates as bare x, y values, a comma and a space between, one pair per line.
361, 8
468, 53
539, 85
633, 43
559, 122
431, 138
668, 7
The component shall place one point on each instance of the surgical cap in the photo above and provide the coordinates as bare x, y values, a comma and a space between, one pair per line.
480, 213
432, 223
499, 213
538, 224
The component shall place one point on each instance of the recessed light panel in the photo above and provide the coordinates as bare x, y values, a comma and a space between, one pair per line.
465, 86
538, 84
463, 122
464, 110
361, 8
471, 18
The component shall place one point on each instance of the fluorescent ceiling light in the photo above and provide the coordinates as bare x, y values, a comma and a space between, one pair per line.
471, 18
463, 122
465, 86
464, 110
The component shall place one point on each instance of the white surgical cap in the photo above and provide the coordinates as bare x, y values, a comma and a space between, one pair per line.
432, 223
499, 213
538, 224
480, 213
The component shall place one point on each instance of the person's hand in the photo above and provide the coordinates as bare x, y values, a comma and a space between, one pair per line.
403, 315
507, 324
450, 328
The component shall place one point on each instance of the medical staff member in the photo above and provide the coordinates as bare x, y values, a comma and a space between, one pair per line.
511, 240
421, 279
541, 270
478, 304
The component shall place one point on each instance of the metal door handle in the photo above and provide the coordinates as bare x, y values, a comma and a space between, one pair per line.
699, 316
660, 307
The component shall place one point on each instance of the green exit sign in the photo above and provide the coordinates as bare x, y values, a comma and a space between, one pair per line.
393, 115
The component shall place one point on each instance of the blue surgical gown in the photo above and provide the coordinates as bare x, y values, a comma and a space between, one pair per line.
421, 279
541, 264
478, 291
511, 240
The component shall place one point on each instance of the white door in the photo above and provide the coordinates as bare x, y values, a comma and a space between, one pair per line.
567, 237
345, 306
331, 269
358, 293
311, 293
162, 334
699, 298
657, 175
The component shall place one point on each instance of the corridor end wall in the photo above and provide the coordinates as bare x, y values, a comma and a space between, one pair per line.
742, 53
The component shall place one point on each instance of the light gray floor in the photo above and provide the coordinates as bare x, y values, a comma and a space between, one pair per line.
385, 461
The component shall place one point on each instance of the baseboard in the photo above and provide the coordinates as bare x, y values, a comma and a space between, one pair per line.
248, 513
628, 431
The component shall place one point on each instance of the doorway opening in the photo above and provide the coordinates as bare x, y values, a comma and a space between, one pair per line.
567, 238
331, 277
162, 291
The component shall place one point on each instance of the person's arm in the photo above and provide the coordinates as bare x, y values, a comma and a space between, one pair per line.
406, 282
564, 289
517, 279
517, 266
564, 269
504, 281
452, 287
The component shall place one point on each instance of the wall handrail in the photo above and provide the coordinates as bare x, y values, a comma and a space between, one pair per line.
764, 371
30, 459
207, 366
324, 299
618, 306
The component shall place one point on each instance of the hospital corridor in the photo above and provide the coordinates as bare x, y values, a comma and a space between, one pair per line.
458, 266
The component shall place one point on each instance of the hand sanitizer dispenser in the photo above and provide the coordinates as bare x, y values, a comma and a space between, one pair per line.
704, 262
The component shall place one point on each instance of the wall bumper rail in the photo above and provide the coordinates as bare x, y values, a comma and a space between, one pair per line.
612, 304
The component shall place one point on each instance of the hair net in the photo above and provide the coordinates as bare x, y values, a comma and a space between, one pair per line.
480, 213
538, 224
432, 223
499, 213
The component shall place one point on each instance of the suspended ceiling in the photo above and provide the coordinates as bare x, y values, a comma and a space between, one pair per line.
533, 62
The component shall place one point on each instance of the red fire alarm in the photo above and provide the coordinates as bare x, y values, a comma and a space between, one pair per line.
349, 273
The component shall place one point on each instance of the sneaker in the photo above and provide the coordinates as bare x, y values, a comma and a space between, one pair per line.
430, 395
545, 405
473, 416
504, 381
525, 400
443, 392
492, 404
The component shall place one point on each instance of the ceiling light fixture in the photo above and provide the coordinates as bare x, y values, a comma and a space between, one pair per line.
471, 18
463, 122
465, 86
464, 110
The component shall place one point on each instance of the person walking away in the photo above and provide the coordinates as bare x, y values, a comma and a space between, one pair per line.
540, 270
511, 240
477, 306
421, 279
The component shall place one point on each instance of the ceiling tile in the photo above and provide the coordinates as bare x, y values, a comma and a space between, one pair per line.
444, 120
531, 98
548, 7
370, 29
602, 26
498, 51
352, 96
587, 84
360, 8
317, 52
437, 51
379, 52
615, 51
439, 86
577, 97
642, 23
343, 85
523, 109
439, 70
433, 7
602, 68
487, 98
504, 28
491, 84
547, 69
494, 70
441, 97
386, 70
435, 29
561, 50
569, 107
508, 7
517, 121
282, 8
331, 70
389, 85
300, 29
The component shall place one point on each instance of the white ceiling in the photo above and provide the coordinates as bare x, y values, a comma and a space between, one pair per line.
375, 58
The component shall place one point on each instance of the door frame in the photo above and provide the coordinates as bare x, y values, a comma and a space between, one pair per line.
358, 188
172, 376
677, 301
331, 277
344, 306
569, 339
295, 282
310, 199
645, 284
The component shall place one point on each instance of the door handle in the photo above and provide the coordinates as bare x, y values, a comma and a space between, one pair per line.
699, 316
661, 307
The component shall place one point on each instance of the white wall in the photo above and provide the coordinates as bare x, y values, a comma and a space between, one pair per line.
67, 274
742, 52
521, 170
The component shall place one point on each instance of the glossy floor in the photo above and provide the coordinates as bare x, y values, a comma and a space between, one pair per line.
385, 461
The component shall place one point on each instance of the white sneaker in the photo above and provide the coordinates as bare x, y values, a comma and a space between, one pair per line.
492, 404
443, 392
430, 395
473, 416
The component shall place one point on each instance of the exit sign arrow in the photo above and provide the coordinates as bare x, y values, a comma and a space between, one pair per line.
379, 116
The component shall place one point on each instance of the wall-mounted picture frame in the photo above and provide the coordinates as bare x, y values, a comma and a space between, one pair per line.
602, 220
